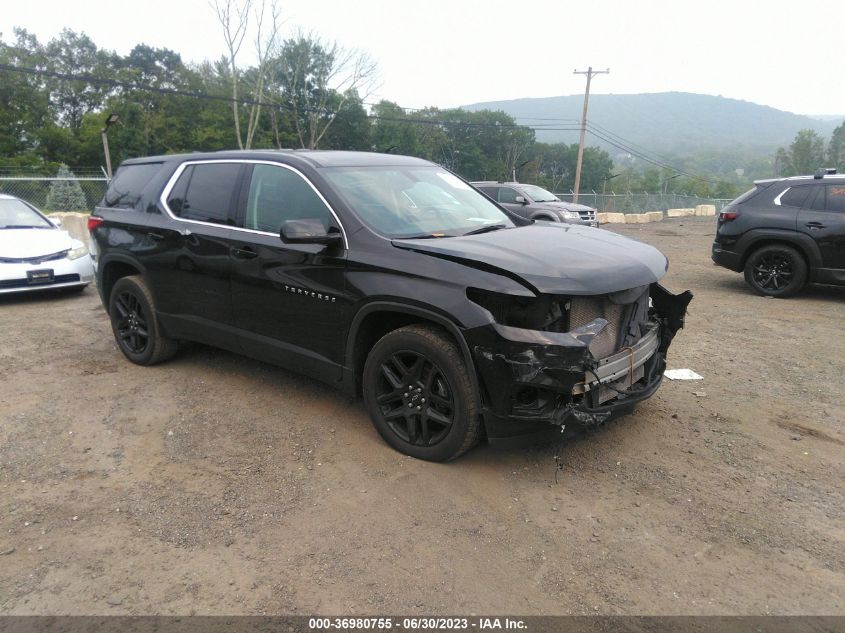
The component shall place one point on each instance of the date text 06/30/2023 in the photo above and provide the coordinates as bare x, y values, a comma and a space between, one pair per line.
415, 624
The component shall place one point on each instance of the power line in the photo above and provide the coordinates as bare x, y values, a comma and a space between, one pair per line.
650, 160
600, 132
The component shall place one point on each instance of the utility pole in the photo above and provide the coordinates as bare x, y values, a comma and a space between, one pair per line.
589, 72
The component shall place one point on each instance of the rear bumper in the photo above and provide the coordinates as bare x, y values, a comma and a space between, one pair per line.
725, 258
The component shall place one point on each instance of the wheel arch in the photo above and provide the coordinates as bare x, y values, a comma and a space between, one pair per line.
376, 319
804, 244
110, 269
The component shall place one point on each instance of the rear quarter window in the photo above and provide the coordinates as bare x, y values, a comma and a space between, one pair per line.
128, 184
795, 197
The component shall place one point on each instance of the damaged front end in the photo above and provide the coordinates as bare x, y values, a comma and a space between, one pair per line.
571, 361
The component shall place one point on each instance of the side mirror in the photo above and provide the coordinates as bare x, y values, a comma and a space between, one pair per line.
520, 200
57, 222
309, 231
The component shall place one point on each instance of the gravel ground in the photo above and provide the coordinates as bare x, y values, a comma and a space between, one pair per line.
214, 484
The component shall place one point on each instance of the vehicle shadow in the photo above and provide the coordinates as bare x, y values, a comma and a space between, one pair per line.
265, 376
44, 296
813, 292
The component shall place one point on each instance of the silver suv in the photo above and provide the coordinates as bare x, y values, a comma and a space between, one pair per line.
535, 203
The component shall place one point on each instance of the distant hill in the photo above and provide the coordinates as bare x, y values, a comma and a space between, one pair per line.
676, 122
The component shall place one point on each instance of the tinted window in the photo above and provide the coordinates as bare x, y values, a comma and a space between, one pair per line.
490, 191
507, 195
276, 195
816, 199
795, 197
835, 198
205, 193
125, 189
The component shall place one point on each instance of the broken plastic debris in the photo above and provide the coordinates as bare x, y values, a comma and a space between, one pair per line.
699, 394
682, 374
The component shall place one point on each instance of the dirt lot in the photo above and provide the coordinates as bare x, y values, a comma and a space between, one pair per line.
214, 484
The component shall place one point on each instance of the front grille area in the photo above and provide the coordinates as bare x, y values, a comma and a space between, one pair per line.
586, 309
34, 260
24, 283
624, 320
588, 216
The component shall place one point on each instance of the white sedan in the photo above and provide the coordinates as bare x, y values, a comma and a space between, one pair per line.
35, 254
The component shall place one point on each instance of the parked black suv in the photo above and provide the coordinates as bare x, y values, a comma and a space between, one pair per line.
535, 203
388, 276
785, 232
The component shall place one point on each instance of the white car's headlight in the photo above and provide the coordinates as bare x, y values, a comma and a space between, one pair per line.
76, 253
571, 215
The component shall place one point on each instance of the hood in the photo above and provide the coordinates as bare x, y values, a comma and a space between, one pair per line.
560, 205
23, 243
553, 258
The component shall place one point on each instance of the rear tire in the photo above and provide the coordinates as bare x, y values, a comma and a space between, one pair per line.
134, 324
418, 392
776, 270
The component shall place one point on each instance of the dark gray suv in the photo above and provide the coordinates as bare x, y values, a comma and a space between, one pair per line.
785, 232
535, 203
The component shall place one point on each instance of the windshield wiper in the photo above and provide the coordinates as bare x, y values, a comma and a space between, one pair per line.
423, 236
485, 229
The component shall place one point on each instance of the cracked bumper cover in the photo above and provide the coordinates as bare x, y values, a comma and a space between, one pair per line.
536, 381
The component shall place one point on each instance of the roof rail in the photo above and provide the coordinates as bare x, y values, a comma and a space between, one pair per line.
824, 171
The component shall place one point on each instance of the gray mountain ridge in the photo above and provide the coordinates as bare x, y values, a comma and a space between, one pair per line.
676, 122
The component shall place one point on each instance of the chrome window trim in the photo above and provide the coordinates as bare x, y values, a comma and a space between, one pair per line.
780, 195
240, 161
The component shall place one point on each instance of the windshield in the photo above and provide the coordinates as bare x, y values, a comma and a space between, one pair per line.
538, 194
419, 201
15, 214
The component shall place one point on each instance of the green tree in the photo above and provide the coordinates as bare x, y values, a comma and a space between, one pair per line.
317, 80
804, 156
65, 193
836, 149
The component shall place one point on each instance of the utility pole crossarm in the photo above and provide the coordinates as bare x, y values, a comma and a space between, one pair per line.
589, 73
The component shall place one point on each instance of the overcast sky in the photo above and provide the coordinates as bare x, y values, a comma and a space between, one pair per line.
785, 54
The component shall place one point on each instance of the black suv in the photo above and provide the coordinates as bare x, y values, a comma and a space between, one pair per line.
390, 277
535, 203
786, 232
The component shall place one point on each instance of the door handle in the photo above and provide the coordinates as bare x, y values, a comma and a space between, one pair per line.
158, 237
244, 253
814, 225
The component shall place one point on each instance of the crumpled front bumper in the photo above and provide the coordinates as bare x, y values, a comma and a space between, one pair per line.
535, 380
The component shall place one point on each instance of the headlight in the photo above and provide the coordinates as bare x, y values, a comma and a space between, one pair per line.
571, 215
76, 253
544, 312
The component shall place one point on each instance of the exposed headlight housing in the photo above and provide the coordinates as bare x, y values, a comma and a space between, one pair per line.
571, 215
544, 312
76, 253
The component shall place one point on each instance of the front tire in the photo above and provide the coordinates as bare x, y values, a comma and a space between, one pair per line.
418, 392
134, 323
776, 270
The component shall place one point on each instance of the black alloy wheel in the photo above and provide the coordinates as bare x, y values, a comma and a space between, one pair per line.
777, 270
134, 324
419, 394
415, 398
131, 326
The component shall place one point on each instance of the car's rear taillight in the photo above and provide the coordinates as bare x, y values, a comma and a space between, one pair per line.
728, 216
94, 222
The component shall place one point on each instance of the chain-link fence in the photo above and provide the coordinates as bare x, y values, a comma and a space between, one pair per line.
37, 191
641, 202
